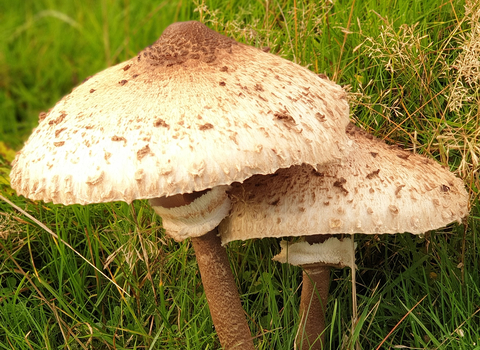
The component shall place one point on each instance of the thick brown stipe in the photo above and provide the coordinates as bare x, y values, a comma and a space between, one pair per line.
217, 279
221, 292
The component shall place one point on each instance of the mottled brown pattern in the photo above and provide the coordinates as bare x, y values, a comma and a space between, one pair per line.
185, 41
221, 292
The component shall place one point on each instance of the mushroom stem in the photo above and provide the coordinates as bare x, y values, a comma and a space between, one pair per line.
217, 278
316, 282
222, 293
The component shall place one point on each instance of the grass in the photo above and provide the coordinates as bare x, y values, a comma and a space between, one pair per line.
111, 279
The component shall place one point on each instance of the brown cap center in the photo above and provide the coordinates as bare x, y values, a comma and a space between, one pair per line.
183, 41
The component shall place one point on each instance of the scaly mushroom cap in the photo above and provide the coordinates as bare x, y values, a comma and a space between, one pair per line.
192, 111
377, 188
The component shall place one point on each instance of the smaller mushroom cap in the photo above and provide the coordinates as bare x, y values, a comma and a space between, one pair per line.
376, 189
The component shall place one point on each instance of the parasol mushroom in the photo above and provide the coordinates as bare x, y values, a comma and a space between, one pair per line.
194, 111
377, 188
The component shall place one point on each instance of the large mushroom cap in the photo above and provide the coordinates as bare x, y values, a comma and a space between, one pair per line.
377, 188
192, 111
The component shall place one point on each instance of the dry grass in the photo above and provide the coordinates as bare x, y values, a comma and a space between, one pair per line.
430, 89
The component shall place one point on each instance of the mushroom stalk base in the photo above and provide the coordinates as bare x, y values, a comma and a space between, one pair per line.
222, 293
